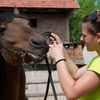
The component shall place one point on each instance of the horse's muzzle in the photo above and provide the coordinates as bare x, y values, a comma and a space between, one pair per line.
40, 44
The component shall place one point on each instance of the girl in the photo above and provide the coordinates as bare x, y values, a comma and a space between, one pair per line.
80, 83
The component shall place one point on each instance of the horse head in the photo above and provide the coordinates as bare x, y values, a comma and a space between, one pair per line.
17, 34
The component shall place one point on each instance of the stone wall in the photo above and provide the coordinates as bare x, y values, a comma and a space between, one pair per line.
56, 23
75, 52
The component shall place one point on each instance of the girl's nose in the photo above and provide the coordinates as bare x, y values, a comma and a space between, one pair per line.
81, 38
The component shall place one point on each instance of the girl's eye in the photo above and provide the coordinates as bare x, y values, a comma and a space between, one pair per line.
84, 36
2, 29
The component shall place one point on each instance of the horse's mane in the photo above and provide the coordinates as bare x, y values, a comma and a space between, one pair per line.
9, 16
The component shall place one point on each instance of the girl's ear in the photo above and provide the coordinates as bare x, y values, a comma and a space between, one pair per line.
98, 35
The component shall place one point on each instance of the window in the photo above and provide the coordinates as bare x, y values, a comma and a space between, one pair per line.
34, 23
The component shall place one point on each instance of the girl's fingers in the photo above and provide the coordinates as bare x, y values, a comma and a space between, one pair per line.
56, 38
54, 35
49, 49
52, 38
55, 44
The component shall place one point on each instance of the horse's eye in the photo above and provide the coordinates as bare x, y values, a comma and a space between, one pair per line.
2, 29
30, 24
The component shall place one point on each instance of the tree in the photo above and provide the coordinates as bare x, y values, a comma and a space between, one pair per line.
86, 7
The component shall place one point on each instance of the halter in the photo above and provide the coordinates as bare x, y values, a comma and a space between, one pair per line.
15, 52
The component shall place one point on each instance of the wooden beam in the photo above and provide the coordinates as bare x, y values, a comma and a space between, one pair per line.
31, 95
40, 81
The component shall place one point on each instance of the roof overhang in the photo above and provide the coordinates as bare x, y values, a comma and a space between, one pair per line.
38, 10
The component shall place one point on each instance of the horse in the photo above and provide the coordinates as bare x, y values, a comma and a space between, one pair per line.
18, 43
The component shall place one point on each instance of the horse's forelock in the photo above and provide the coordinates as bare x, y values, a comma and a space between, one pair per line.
2, 18
9, 16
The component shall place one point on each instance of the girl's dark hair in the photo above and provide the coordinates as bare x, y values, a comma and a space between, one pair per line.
92, 25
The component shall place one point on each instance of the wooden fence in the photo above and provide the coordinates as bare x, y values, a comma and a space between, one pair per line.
36, 82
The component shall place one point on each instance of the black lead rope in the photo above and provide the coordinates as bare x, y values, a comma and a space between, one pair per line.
50, 80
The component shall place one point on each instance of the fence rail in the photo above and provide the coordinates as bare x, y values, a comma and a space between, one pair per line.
40, 81
31, 95
42, 94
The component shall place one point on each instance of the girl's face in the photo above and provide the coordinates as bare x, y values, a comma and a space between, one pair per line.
89, 39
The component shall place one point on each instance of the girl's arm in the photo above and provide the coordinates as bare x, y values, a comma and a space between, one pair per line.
73, 90
76, 89
73, 69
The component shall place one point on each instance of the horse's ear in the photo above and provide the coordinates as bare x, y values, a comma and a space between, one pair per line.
16, 11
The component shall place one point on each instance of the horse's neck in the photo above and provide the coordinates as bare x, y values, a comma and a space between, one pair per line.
5, 67
7, 71
0, 69
11, 77
2, 64
2, 61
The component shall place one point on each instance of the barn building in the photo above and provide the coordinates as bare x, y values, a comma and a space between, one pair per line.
46, 15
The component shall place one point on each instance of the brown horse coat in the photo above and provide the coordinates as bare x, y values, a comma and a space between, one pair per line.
16, 34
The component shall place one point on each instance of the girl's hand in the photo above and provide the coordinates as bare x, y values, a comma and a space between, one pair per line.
55, 38
56, 52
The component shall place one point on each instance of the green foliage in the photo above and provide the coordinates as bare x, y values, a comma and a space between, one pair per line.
28, 67
86, 7
25, 67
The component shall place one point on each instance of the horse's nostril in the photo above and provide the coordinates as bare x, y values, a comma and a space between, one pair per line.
36, 43
40, 44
